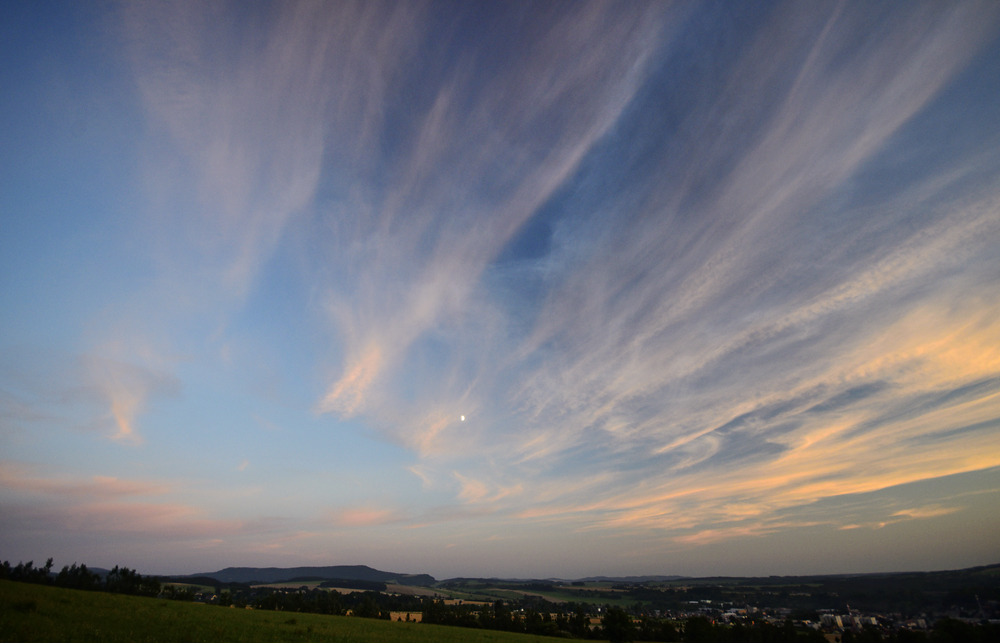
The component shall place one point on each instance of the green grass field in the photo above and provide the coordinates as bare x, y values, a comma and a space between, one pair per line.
590, 594
50, 614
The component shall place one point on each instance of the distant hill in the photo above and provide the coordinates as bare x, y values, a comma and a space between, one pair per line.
631, 579
336, 572
635, 580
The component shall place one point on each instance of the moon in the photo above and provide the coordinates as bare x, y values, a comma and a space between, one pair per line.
463, 418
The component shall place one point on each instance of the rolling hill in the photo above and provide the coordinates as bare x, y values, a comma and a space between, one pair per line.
335, 572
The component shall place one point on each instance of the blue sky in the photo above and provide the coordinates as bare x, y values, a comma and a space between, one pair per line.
501, 289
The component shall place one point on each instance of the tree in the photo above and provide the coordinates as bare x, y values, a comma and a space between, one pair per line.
950, 630
27, 572
122, 580
618, 626
654, 630
368, 608
579, 624
80, 577
698, 629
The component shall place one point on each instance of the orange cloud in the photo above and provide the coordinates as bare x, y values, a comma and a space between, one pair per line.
346, 396
932, 511
126, 388
364, 517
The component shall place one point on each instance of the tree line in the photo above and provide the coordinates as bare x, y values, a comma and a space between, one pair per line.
120, 580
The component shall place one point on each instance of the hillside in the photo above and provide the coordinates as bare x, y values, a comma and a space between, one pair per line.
38, 613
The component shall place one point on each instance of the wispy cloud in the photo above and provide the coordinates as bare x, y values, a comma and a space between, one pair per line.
25, 479
735, 347
490, 144
365, 517
127, 387
243, 120
93, 391
667, 273
919, 513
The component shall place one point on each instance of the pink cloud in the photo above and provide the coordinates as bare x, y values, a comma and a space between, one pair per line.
157, 520
15, 476
365, 517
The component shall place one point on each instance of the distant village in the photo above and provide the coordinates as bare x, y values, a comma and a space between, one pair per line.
534, 607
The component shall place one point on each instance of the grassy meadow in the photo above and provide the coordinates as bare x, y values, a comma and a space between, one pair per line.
595, 593
41, 613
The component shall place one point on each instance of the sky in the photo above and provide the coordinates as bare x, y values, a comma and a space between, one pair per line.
537, 290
